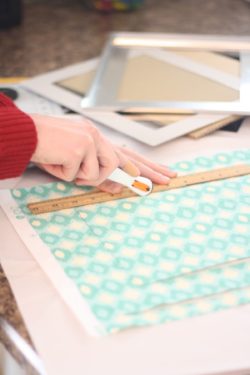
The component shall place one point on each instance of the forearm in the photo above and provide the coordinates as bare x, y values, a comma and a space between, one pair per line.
18, 139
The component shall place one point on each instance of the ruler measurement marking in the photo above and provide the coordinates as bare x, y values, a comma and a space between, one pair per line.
96, 196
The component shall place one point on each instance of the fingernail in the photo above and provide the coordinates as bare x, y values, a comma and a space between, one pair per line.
165, 180
131, 169
169, 171
79, 182
172, 173
116, 189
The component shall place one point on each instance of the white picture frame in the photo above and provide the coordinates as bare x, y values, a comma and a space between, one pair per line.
117, 50
47, 85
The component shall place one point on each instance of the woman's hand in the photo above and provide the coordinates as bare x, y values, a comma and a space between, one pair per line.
157, 173
75, 150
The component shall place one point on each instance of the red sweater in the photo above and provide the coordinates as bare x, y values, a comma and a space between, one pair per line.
18, 139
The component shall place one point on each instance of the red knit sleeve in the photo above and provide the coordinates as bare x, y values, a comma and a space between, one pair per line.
18, 139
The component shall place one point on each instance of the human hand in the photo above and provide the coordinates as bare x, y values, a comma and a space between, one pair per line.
77, 151
68, 149
159, 174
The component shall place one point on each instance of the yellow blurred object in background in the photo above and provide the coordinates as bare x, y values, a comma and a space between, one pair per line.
114, 5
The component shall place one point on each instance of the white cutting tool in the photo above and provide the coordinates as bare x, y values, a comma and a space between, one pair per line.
140, 185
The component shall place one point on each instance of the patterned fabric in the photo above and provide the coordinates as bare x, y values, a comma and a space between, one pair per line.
167, 256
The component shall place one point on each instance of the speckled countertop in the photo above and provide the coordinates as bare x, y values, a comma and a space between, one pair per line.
12, 327
59, 33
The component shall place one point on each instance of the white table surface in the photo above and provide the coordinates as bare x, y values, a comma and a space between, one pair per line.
217, 343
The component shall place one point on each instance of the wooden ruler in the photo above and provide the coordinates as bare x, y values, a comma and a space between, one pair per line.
166, 119
11, 80
205, 130
96, 196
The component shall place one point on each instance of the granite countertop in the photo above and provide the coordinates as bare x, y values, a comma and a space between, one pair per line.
59, 33
12, 327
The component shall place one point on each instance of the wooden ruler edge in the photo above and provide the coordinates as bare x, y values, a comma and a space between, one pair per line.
96, 196
205, 130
